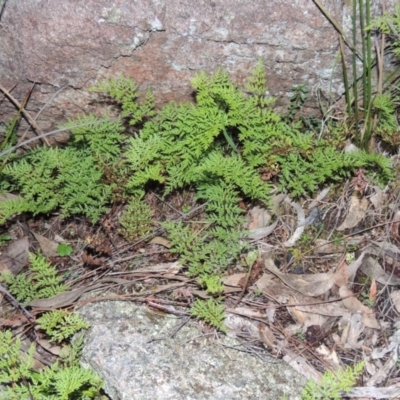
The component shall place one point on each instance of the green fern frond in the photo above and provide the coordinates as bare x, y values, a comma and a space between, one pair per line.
212, 284
61, 324
102, 138
43, 281
51, 178
210, 311
333, 385
136, 220
125, 91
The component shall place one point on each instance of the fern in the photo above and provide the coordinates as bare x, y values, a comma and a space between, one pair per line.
59, 382
212, 283
387, 126
43, 281
333, 385
136, 220
102, 139
210, 311
61, 324
51, 178
390, 25
125, 91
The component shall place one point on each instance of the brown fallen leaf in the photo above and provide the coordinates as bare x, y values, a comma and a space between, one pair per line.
395, 297
234, 279
48, 246
15, 257
63, 299
259, 218
256, 331
372, 269
330, 356
162, 241
323, 246
353, 304
394, 229
51, 347
301, 223
311, 285
356, 213
372, 291
261, 233
352, 327
14, 321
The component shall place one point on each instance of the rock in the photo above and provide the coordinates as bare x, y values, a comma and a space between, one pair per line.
142, 354
48, 45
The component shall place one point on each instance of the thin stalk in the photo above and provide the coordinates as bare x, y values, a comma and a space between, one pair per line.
345, 77
367, 79
337, 26
364, 52
354, 61
369, 72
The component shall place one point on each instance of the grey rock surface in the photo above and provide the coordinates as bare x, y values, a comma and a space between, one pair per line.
161, 44
143, 354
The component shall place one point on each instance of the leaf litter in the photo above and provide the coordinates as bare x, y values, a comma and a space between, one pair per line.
323, 293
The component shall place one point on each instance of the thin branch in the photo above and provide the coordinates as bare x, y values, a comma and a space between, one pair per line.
24, 113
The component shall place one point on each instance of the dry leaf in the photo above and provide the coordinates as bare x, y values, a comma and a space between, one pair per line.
259, 218
62, 299
255, 330
330, 357
8, 196
357, 211
15, 257
310, 285
389, 392
377, 198
14, 321
394, 229
372, 269
51, 347
395, 297
168, 268
350, 302
162, 241
261, 233
301, 365
319, 198
323, 246
372, 291
48, 246
276, 202
355, 329
233, 280
301, 222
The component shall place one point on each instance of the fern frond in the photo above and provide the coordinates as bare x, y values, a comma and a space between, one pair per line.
102, 138
211, 311
61, 324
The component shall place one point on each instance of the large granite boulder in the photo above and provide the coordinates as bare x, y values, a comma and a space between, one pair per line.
72, 44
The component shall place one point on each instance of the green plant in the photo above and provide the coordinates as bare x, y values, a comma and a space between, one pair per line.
61, 381
371, 104
4, 238
212, 283
211, 311
41, 282
333, 385
64, 249
298, 98
61, 324
136, 220
367, 300
51, 178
